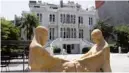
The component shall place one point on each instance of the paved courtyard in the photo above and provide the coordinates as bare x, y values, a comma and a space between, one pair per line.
119, 62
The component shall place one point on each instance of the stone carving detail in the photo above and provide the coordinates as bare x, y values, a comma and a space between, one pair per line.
96, 60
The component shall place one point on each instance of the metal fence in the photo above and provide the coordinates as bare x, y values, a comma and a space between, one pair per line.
6, 57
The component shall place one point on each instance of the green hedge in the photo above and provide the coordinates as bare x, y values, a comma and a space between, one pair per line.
85, 49
125, 50
56, 50
11, 52
114, 49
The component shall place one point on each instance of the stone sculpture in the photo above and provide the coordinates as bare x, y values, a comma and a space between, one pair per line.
96, 60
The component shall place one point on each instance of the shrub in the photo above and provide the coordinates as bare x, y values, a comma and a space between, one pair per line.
124, 50
85, 49
56, 50
113, 49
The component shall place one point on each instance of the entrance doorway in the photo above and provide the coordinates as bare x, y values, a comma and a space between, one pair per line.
67, 47
72, 48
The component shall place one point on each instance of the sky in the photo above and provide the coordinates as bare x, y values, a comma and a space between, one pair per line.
9, 8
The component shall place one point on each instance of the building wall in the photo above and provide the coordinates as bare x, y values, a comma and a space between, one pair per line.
46, 10
114, 12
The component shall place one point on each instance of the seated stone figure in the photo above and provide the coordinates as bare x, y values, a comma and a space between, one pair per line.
98, 58
41, 61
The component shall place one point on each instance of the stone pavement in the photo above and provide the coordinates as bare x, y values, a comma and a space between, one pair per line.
119, 62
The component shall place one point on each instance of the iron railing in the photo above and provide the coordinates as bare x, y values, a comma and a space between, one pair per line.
6, 57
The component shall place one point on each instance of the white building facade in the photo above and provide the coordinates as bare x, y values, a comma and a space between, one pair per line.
68, 24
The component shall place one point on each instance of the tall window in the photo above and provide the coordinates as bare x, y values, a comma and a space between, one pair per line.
74, 19
68, 18
61, 32
71, 19
64, 18
64, 33
90, 21
36, 6
68, 32
52, 18
39, 15
74, 32
81, 33
80, 20
61, 18
50, 36
51, 33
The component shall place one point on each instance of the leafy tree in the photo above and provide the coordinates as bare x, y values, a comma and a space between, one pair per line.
122, 32
106, 29
29, 21
8, 30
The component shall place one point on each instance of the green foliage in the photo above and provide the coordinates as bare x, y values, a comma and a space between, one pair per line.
56, 49
106, 29
122, 32
113, 48
8, 30
29, 21
119, 35
11, 32
85, 49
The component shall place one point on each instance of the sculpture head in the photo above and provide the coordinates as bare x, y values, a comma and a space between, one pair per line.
97, 36
41, 35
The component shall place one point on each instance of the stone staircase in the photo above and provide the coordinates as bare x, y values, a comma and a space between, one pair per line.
87, 43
